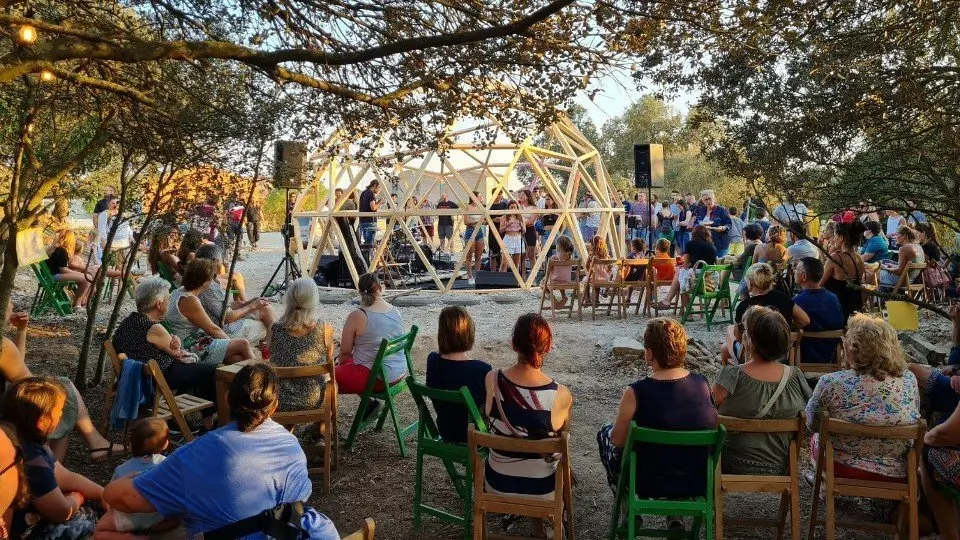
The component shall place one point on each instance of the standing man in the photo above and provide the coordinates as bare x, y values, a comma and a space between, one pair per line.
499, 203
369, 203
254, 219
445, 223
788, 211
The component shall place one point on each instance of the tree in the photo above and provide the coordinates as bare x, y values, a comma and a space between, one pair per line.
366, 66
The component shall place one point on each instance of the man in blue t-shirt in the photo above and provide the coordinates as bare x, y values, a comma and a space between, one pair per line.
822, 306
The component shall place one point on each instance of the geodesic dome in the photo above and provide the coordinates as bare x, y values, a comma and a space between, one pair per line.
476, 156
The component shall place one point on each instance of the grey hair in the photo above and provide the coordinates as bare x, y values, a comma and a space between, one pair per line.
301, 304
211, 252
149, 291
709, 192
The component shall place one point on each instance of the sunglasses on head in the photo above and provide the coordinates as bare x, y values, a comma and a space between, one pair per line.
17, 459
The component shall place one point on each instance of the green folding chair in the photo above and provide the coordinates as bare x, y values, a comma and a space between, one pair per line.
388, 347
430, 443
700, 508
735, 286
711, 299
51, 294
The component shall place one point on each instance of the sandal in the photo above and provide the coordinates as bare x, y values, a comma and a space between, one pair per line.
109, 452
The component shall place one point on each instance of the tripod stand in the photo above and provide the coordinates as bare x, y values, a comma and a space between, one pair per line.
288, 264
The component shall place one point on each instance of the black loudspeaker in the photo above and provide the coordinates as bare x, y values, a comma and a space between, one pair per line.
289, 164
648, 165
496, 280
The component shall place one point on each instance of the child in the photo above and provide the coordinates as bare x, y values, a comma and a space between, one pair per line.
560, 274
663, 263
148, 438
638, 249
512, 227
597, 272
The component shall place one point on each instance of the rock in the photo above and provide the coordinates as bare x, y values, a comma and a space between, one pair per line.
461, 299
507, 298
414, 300
934, 355
624, 347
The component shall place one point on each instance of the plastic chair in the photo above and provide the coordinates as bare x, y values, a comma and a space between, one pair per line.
906, 492
701, 508
788, 486
710, 299
430, 443
388, 347
489, 503
325, 416
51, 294
575, 267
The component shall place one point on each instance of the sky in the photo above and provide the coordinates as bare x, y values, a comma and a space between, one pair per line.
617, 91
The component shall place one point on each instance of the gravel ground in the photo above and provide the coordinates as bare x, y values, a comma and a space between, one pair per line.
374, 481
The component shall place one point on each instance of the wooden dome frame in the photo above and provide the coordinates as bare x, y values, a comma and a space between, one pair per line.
560, 159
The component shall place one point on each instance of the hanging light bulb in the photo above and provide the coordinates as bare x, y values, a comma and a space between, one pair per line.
27, 34
47, 76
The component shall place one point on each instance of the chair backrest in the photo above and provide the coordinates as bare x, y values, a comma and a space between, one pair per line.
365, 533
461, 397
42, 273
712, 438
794, 426
391, 346
116, 360
913, 432
796, 356
574, 266
160, 383
596, 264
722, 288
636, 267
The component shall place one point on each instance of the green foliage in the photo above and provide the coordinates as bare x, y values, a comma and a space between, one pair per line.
274, 207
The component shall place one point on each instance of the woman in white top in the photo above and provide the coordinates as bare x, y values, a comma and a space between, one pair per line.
909, 252
363, 332
527, 203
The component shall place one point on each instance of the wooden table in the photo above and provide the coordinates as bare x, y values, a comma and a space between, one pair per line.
224, 377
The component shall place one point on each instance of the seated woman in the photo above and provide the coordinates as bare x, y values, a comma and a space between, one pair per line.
365, 328
909, 252
762, 388
191, 241
251, 320
297, 340
560, 274
760, 279
938, 383
75, 414
162, 256
451, 369
845, 264
523, 402
34, 405
699, 248
142, 337
250, 465
59, 263
876, 390
941, 456
189, 322
927, 238
774, 250
671, 398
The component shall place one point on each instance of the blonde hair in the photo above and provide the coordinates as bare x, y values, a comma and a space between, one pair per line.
872, 348
301, 304
68, 241
761, 276
909, 233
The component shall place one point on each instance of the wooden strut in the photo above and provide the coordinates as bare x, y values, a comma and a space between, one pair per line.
564, 163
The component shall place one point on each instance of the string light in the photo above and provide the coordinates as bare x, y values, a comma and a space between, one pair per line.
27, 34
46, 76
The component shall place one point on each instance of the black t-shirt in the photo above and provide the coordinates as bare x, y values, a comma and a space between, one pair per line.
366, 205
773, 299
452, 419
701, 250
446, 220
549, 220
101, 206
57, 260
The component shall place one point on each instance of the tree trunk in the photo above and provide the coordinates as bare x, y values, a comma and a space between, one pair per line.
9, 270
239, 239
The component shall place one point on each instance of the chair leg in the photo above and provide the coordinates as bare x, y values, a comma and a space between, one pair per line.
396, 426
327, 456
417, 487
479, 523
830, 507
357, 420
914, 522
718, 508
795, 514
782, 514
814, 505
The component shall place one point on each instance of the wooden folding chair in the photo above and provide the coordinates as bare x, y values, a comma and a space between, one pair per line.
912, 288
653, 295
575, 267
166, 404
489, 503
870, 282
365, 533
595, 283
906, 492
787, 486
634, 277
325, 417
388, 347
796, 356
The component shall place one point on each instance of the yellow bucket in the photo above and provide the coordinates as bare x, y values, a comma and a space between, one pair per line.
903, 315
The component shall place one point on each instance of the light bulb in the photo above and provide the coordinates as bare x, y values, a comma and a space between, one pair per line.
28, 34
46, 76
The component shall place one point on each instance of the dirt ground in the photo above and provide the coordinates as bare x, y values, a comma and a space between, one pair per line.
374, 481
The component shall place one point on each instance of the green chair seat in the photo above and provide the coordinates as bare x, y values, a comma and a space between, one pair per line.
51, 294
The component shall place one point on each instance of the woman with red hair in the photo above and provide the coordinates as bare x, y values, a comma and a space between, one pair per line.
523, 402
